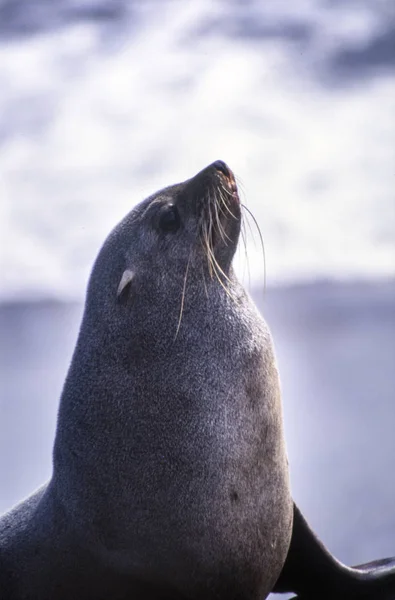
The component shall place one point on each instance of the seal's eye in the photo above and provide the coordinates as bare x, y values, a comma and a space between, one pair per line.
169, 220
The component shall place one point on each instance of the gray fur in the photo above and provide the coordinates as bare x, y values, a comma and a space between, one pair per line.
170, 476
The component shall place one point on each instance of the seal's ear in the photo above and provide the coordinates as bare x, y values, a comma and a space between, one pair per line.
124, 285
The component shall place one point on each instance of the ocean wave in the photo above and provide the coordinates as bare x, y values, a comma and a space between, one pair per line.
100, 107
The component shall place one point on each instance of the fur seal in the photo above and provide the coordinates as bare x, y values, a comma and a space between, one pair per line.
170, 475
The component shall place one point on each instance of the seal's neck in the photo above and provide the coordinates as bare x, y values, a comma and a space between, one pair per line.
138, 408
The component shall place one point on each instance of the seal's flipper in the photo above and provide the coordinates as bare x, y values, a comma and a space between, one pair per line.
377, 564
314, 574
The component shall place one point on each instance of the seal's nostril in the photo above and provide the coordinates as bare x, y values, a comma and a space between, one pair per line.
221, 166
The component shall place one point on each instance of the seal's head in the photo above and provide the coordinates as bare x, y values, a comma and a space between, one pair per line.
184, 235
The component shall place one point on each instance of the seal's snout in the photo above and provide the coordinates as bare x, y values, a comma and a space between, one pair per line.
214, 196
229, 178
223, 167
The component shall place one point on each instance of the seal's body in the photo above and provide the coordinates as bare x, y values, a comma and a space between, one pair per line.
169, 460
170, 476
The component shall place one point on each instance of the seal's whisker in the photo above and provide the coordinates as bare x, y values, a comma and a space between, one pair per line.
221, 230
224, 189
223, 204
261, 241
246, 220
206, 233
211, 233
243, 232
217, 269
206, 247
183, 295
217, 275
214, 267
223, 201
244, 240
243, 226
227, 291
240, 184
242, 192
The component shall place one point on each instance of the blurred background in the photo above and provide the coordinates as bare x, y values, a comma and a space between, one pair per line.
103, 102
